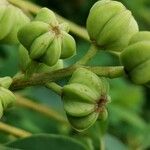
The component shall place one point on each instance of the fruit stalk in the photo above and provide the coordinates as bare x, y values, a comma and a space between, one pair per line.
43, 78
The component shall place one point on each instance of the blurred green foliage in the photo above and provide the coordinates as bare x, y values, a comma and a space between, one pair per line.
128, 125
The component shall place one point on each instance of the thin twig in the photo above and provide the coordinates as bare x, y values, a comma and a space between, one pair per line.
14, 130
44, 78
88, 56
54, 87
47, 111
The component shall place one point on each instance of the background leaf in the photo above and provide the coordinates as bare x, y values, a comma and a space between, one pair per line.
47, 141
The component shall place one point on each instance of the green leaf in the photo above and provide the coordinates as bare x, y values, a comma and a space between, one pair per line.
127, 116
47, 141
7, 148
112, 143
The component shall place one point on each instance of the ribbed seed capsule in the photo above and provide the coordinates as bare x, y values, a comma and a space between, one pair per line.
24, 59
55, 49
6, 21
7, 98
98, 17
68, 45
25, 62
5, 82
47, 16
136, 58
40, 45
110, 25
46, 40
84, 98
20, 20
28, 33
11, 20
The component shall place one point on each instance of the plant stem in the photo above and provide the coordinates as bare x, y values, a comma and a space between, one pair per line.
43, 78
33, 8
88, 56
47, 111
13, 130
54, 87
102, 143
109, 72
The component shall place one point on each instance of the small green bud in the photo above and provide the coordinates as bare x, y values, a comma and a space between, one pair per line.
136, 58
46, 40
110, 25
7, 98
5, 82
84, 97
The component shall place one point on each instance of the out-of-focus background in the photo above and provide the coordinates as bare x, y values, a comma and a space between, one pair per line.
128, 125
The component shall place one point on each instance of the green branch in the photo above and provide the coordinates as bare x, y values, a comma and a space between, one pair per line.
88, 56
44, 78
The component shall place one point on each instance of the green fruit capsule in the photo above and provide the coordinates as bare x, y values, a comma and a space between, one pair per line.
47, 16
11, 20
83, 123
55, 49
24, 59
5, 82
20, 20
136, 58
40, 45
84, 97
25, 62
6, 21
68, 46
28, 33
110, 25
7, 98
46, 40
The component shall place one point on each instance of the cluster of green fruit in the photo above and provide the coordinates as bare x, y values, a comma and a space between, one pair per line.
112, 27
45, 42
